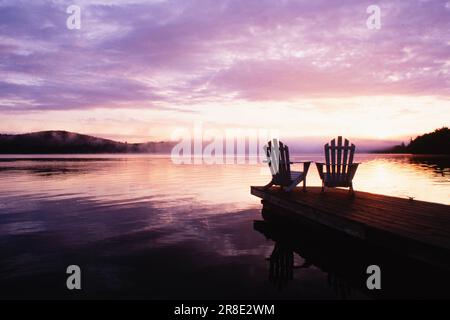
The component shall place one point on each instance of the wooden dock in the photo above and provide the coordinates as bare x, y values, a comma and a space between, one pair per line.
416, 229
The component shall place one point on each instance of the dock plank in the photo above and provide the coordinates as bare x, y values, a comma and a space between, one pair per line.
420, 229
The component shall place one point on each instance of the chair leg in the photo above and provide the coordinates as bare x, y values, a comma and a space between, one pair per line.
351, 191
323, 187
304, 185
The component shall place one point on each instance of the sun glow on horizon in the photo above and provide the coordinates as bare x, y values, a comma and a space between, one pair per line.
136, 70
358, 117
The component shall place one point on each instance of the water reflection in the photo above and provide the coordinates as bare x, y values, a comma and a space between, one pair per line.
139, 178
439, 164
117, 215
282, 264
344, 260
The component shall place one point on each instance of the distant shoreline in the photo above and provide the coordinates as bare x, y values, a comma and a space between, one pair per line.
64, 142
70, 143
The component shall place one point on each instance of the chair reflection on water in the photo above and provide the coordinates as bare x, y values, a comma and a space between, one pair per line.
282, 263
282, 266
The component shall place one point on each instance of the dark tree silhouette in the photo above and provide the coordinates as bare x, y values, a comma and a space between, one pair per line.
64, 142
436, 142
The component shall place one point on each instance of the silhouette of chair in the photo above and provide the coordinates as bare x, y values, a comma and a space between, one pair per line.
340, 168
280, 166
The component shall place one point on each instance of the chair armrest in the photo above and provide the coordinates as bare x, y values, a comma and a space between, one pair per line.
352, 170
306, 165
319, 166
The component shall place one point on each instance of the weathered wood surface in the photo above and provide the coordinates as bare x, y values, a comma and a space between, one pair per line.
415, 228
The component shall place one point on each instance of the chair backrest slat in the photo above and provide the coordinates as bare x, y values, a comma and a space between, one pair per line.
352, 152
345, 167
287, 161
339, 153
327, 156
268, 150
333, 158
283, 169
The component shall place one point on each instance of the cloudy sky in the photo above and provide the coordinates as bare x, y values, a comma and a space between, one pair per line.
137, 70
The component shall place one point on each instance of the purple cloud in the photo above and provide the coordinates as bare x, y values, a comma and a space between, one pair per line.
161, 54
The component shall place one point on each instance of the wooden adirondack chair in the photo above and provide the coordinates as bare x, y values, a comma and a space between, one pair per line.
340, 168
278, 159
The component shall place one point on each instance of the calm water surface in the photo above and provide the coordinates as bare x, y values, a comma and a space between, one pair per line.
142, 227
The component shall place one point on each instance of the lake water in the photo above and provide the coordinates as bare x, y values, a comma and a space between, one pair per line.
143, 227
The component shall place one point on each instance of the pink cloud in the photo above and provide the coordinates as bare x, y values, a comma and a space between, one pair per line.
162, 54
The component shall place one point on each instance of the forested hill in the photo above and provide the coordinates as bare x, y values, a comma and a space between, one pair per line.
68, 142
436, 142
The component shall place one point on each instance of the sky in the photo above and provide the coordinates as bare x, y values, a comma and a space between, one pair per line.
138, 70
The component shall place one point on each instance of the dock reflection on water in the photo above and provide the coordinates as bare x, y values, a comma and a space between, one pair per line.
345, 260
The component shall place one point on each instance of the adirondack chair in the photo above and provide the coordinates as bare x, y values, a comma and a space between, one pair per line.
340, 168
280, 166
